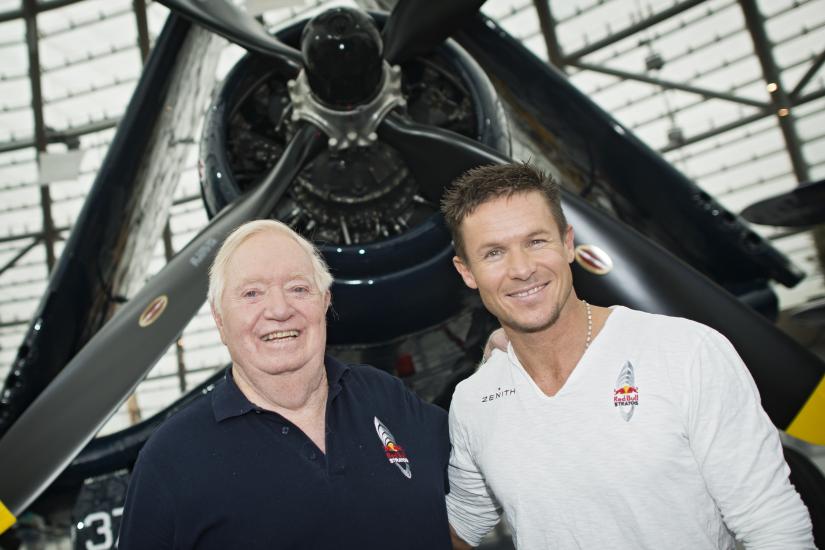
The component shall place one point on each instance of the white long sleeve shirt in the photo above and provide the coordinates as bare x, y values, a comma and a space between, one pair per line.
656, 440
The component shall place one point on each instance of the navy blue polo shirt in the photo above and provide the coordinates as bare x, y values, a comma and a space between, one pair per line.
223, 473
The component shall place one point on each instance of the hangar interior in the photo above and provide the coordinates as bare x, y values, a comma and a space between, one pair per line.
730, 92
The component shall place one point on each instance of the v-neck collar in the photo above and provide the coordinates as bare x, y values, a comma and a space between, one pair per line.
574, 374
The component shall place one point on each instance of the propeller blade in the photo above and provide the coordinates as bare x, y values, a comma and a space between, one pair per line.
417, 26
799, 207
434, 156
235, 25
68, 413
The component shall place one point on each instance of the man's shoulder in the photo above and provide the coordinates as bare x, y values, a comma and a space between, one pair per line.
642, 324
380, 387
626, 314
182, 430
374, 382
493, 375
373, 376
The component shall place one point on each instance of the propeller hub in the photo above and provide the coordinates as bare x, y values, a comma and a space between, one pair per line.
342, 57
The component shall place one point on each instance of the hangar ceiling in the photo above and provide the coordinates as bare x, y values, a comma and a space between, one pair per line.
732, 92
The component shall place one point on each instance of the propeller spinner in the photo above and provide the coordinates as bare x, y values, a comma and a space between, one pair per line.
342, 57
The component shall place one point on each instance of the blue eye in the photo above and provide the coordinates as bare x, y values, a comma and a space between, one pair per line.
493, 253
250, 294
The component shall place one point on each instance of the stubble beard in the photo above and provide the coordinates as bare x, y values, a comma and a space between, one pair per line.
541, 325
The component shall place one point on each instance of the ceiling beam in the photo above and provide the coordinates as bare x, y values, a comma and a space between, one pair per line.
704, 92
41, 142
755, 23
809, 74
819, 94
632, 29
548, 31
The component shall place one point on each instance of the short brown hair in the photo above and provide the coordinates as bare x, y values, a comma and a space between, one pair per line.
480, 185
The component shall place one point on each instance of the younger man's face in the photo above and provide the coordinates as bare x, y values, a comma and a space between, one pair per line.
518, 261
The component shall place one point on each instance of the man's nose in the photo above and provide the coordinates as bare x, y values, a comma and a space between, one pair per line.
521, 264
277, 305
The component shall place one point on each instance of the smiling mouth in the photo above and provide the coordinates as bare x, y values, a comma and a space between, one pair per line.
528, 291
280, 335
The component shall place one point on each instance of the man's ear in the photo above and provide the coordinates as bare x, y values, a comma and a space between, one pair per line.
465, 272
569, 249
218, 321
327, 299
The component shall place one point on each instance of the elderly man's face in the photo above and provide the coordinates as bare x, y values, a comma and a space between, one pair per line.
273, 316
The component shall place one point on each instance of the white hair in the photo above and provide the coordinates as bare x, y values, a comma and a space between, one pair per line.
217, 272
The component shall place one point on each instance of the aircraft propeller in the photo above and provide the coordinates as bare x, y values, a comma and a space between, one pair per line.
413, 27
417, 26
235, 25
802, 206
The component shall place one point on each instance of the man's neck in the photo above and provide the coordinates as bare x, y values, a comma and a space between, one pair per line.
299, 396
549, 356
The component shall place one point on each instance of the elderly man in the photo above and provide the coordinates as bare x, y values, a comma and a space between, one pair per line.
599, 428
292, 449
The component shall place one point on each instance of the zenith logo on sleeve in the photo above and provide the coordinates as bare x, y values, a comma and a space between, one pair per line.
626, 392
498, 394
395, 452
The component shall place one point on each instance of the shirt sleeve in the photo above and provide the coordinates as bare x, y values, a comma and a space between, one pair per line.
739, 452
148, 515
431, 416
471, 508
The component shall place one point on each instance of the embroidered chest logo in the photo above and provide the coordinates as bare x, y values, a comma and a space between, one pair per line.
395, 452
499, 393
626, 392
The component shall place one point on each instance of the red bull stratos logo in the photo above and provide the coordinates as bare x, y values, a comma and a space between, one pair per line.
626, 392
395, 452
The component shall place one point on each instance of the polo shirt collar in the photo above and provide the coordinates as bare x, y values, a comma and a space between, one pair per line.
228, 401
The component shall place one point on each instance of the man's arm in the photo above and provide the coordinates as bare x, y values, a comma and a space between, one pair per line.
471, 509
148, 515
458, 542
739, 453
